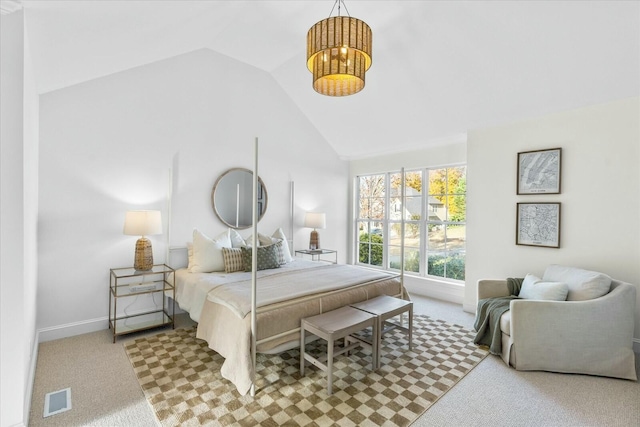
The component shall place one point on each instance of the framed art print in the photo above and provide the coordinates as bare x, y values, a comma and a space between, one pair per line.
539, 171
538, 224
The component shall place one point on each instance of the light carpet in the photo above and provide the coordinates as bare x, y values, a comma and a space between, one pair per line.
180, 377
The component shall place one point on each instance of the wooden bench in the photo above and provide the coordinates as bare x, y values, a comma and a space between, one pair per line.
384, 308
331, 326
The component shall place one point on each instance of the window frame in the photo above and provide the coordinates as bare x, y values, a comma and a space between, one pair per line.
423, 223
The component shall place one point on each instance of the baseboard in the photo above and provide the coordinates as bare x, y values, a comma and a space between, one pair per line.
85, 326
32, 376
444, 291
469, 308
72, 329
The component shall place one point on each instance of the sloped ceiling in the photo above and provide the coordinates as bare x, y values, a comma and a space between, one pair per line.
439, 68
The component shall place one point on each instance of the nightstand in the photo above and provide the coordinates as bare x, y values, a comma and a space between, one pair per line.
316, 254
128, 282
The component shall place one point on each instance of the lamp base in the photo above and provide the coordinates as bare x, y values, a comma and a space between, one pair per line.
314, 241
144, 255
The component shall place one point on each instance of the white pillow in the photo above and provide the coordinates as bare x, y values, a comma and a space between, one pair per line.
265, 240
248, 242
534, 288
189, 255
583, 284
207, 252
236, 239
279, 234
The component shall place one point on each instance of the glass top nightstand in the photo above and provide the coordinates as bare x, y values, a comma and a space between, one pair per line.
129, 282
317, 254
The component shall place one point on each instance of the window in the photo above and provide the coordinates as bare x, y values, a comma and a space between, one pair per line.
434, 223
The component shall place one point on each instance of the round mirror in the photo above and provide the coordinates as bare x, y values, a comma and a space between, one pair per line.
231, 198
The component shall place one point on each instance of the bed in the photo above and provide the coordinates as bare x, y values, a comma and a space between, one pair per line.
221, 304
238, 318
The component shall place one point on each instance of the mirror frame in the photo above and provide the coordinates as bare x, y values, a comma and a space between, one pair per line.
263, 198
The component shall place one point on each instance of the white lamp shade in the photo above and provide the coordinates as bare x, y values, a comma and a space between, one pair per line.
142, 223
315, 220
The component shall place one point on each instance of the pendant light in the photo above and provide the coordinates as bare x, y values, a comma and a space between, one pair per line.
339, 54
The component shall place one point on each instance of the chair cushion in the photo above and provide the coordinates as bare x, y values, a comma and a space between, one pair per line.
583, 284
534, 288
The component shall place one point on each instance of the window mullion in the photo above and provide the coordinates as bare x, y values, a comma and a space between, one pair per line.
385, 221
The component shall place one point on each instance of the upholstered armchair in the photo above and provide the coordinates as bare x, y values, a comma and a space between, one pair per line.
584, 335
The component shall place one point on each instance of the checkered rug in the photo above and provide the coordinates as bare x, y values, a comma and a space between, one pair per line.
180, 377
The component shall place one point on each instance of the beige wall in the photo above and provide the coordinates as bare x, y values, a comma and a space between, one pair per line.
600, 195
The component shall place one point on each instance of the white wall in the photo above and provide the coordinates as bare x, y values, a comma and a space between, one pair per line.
451, 152
18, 222
600, 195
108, 145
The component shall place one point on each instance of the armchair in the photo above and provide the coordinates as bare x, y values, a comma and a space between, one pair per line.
585, 337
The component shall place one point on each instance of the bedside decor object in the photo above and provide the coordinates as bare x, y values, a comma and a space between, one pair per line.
143, 223
539, 171
315, 220
339, 54
538, 224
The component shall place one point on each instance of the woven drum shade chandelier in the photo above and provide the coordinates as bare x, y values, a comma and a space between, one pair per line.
339, 54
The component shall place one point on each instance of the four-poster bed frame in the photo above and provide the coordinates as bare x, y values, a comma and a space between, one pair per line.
254, 245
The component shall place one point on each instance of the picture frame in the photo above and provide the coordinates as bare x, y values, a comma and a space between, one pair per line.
538, 224
539, 171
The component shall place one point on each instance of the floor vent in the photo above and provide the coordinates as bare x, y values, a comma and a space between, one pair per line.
57, 402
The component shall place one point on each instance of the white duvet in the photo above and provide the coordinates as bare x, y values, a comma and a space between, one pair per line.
192, 288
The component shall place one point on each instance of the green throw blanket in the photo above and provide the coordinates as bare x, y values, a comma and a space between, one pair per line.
488, 317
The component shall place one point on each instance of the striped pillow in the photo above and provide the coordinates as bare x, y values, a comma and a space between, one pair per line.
232, 259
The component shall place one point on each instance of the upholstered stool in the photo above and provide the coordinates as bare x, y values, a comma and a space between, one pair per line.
384, 308
331, 326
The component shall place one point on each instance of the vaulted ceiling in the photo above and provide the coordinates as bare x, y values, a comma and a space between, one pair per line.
439, 68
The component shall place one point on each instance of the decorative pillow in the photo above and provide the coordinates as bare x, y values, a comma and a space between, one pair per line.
529, 280
189, 255
236, 239
534, 288
267, 257
279, 234
207, 252
265, 240
249, 241
232, 260
583, 284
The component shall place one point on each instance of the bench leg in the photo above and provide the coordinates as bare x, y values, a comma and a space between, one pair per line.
376, 340
411, 327
330, 366
302, 351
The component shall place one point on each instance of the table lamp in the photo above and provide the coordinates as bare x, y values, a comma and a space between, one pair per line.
315, 220
143, 223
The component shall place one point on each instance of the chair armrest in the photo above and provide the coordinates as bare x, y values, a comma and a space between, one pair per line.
489, 288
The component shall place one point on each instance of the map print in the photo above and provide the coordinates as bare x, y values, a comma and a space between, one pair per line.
539, 172
538, 224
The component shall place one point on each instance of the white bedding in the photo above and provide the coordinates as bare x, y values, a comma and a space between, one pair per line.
288, 285
192, 288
